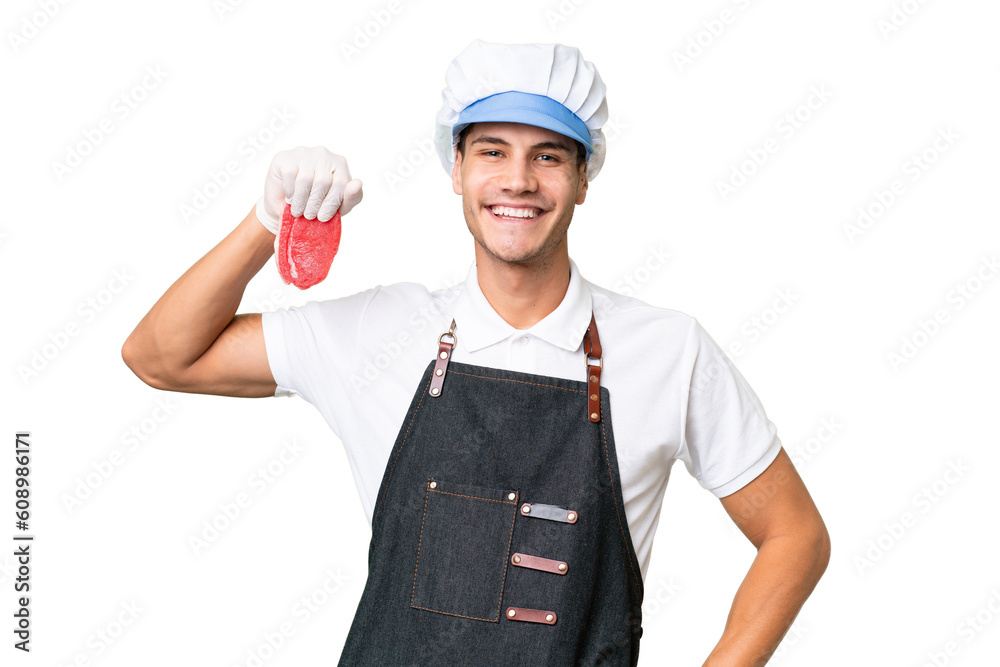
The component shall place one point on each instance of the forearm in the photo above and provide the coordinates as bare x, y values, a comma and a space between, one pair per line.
192, 313
780, 579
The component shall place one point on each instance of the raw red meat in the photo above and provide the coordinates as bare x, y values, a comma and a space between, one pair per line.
306, 248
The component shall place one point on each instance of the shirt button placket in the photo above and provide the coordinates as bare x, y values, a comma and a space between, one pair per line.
517, 350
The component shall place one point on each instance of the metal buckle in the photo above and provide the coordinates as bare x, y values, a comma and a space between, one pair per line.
450, 332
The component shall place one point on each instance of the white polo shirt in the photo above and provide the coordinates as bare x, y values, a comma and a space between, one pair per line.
674, 393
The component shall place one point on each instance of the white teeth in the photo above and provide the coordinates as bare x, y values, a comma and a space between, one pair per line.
508, 212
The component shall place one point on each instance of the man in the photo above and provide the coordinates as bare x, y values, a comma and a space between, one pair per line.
512, 522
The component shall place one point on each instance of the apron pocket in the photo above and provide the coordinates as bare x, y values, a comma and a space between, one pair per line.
462, 552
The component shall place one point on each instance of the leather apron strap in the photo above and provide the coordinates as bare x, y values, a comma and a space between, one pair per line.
591, 350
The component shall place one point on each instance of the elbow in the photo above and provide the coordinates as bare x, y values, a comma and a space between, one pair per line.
133, 358
821, 549
138, 361
130, 357
806, 548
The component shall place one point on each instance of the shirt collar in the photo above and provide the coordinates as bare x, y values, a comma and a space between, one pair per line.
478, 325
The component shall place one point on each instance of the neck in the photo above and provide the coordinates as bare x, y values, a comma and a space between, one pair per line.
523, 294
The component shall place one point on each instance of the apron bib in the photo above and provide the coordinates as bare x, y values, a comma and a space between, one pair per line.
499, 534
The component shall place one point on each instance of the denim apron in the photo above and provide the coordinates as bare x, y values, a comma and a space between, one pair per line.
499, 534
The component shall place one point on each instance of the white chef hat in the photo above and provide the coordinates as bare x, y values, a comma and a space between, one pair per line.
547, 85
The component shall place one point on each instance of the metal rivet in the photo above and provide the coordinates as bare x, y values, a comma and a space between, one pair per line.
593, 378
517, 559
548, 617
593, 415
444, 355
562, 567
571, 516
593, 397
525, 508
434, 485
511, 495
439, 372
510, 613
435, 391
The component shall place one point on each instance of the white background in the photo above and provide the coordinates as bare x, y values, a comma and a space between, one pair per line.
682, 128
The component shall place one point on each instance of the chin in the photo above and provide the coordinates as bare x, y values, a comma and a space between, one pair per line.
521, 256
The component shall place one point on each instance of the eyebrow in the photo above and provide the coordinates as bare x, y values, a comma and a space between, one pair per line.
547, 145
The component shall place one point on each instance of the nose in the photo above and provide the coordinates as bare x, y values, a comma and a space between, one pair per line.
518, 175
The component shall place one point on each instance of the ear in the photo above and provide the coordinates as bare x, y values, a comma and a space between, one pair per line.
456, 173
581, 193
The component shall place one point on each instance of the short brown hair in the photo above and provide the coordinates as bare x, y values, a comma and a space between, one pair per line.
581, 150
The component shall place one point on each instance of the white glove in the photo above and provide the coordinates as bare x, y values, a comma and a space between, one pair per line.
315, 181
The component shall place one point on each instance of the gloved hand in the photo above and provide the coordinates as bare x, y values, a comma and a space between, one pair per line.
315, 182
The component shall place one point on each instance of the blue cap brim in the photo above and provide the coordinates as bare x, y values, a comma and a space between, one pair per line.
517, 107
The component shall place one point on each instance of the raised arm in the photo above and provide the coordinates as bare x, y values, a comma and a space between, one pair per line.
191, 340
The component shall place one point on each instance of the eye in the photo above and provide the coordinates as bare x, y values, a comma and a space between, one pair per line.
548, 158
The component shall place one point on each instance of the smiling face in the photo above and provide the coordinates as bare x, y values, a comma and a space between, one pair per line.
519, 184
